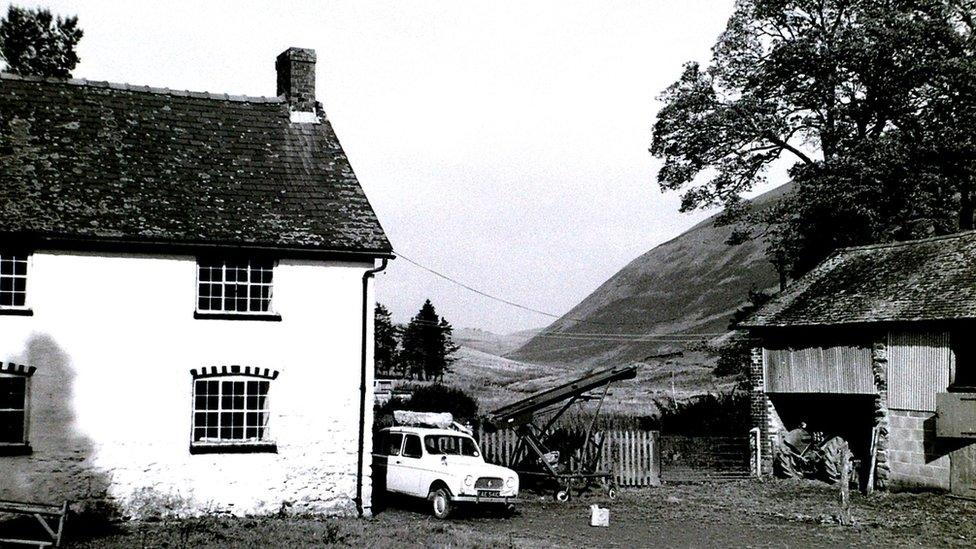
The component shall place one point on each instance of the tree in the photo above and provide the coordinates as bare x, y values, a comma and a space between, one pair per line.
35, 43
427, 345
872, 101
734, 354
386, 340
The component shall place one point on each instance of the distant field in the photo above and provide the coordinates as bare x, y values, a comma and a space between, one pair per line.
491, 343
496, 381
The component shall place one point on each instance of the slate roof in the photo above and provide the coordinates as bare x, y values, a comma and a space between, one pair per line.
98, 162
919, 280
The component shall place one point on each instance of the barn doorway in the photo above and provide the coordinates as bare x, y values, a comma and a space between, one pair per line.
849, 416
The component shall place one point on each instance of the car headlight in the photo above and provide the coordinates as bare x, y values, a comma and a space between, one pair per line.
510, 483
468, 480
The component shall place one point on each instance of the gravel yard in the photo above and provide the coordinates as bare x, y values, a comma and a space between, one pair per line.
745, 514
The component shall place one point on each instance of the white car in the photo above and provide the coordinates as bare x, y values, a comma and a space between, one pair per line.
442, 465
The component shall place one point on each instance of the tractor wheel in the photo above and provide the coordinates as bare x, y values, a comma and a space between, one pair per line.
441, 503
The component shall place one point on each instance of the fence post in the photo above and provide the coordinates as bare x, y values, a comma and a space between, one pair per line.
755, 449
656, 452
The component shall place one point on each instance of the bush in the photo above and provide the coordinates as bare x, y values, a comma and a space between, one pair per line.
431, 398
712, 414
441, 398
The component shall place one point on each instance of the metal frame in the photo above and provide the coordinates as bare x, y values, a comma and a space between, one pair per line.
529, 457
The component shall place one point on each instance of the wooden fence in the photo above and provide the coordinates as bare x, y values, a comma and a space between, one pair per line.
632, 456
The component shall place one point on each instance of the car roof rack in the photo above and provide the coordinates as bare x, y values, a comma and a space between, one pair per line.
435, 420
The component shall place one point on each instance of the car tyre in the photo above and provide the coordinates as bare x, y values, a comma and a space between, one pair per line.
441, 503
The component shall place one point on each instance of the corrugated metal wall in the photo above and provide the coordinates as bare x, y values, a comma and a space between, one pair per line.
918, 367
837, 369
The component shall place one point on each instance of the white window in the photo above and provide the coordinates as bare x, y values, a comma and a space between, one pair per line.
13, 281
231, 411
235, 286
14, 400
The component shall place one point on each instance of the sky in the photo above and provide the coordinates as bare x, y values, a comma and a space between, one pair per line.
503, 144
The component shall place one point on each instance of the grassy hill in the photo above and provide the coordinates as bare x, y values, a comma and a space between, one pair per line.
689, 285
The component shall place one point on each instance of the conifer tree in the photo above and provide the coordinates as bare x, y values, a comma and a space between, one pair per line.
428, 349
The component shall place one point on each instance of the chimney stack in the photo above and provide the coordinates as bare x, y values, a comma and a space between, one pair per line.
296, 78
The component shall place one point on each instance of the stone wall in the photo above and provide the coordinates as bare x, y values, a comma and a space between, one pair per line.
879, 367
914, 457
763, 413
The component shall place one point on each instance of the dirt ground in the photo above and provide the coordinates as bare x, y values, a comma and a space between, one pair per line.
722, 514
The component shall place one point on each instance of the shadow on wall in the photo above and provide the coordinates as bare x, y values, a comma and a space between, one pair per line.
61, 465
935, 447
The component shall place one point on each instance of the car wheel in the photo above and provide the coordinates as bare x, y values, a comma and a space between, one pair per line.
441, 503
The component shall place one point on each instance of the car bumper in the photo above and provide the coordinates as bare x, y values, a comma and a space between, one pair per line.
485, 499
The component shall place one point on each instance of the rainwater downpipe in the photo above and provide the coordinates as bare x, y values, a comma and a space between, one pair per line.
360, 504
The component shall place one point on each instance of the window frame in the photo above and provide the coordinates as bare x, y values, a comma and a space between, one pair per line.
11, 370
232, 446
222, 314
25, 309
385, 449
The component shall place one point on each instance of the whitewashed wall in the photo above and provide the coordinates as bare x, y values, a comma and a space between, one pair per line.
113, 339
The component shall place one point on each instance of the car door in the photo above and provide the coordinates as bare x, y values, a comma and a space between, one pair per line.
395, 475
411, 466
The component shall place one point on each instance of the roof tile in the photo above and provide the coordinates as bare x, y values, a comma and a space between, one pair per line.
918, 280
93, 160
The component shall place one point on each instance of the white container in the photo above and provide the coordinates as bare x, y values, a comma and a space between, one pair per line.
599, 516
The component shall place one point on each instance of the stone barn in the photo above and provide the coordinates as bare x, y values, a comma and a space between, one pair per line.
877, 336
185, 305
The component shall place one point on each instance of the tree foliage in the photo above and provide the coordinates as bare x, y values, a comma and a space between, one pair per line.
734, 354
442, 398
35, 43
386, 342
873, 102
428, 349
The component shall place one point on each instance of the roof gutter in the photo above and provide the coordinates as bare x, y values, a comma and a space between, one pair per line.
364, 509
123, 245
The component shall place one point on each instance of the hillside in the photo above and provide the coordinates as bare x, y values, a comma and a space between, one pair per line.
689, 285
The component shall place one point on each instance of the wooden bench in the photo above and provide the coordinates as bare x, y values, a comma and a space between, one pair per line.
48, 516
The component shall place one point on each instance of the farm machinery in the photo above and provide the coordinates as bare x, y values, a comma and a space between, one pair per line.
533, 419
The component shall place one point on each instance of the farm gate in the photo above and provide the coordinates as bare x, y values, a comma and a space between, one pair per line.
702, 458
632, 456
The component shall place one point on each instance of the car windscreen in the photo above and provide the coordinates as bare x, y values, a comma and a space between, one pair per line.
450, 445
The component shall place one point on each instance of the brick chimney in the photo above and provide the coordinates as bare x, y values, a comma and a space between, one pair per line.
296, 78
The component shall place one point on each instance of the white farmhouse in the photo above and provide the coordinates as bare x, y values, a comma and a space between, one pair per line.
185, 305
